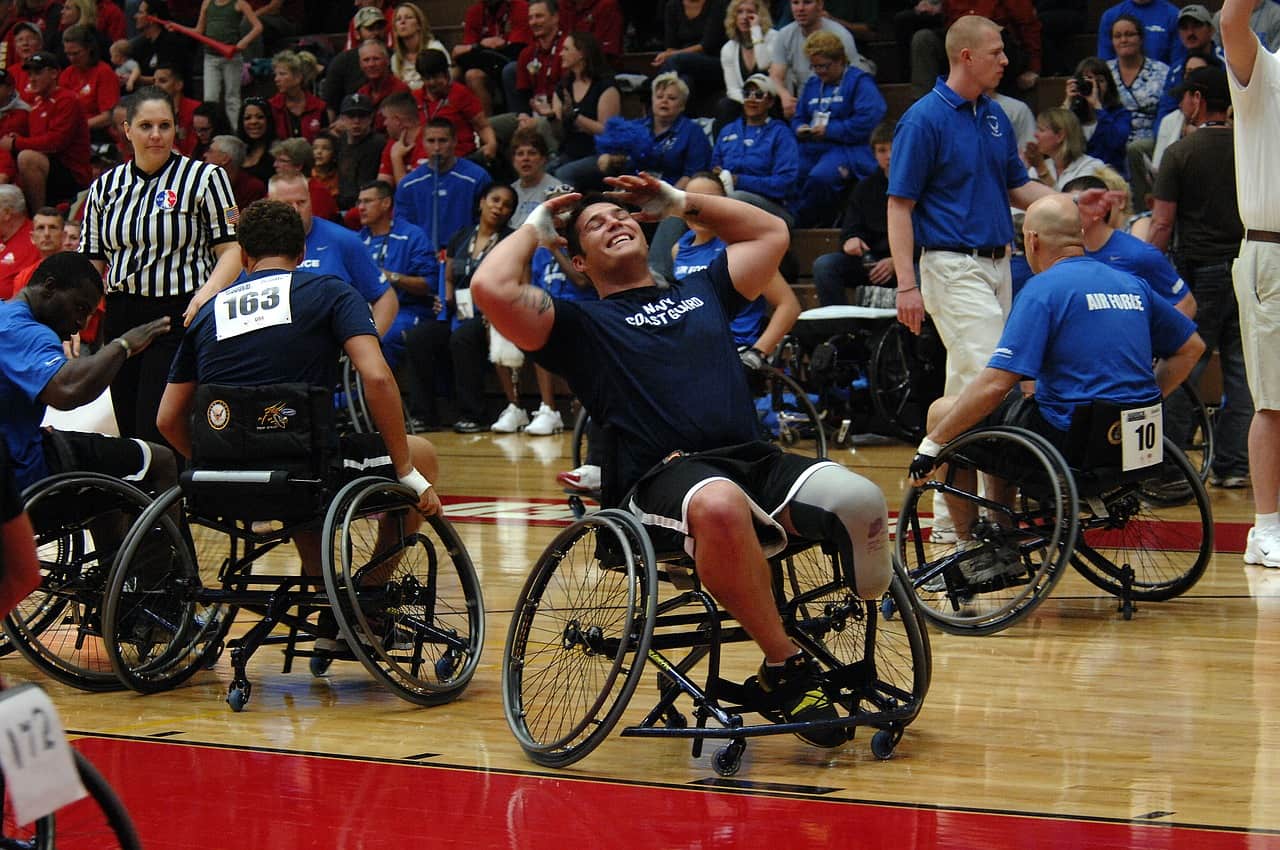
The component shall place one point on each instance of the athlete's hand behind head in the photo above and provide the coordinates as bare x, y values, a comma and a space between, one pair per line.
545, 215
656, 199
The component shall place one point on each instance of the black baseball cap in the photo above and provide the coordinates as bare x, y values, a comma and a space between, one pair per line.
357, 104
41, 61
1211, 82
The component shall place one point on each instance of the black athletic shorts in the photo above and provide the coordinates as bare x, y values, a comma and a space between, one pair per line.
769, 476
1022, 411
75, 451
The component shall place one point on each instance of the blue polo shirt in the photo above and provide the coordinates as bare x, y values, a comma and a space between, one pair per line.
334, 250
30, 355
957, 159
1128, 253
680, 151
1160, 30
458, 192
403, 250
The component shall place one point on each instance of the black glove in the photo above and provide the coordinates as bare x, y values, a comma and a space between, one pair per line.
921, 465
752, 358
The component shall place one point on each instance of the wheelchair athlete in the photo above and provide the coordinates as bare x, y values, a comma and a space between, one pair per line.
1084, 332
286, 326
660, 369
36, 373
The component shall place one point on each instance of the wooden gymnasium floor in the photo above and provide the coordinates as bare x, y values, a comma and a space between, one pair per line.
1074, 729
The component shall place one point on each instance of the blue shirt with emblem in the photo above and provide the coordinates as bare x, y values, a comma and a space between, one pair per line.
764, 159
335, 250
957, 159
457, 197
1086, 331
855, 106
403, 250
547, 274
749, 323
679, 151
30, 355
1159, 30
1128, 253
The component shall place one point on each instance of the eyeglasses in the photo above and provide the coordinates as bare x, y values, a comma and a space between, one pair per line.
754, 94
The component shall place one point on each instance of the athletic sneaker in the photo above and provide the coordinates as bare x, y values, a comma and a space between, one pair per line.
1263, 547
797, 684
1230, 482
941, 535
938, 584
512, 419
545, 422
585, 478
992, 563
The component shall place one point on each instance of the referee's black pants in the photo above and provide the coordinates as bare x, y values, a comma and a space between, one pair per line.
136, 390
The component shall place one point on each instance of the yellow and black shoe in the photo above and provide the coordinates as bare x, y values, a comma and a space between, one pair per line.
797, 685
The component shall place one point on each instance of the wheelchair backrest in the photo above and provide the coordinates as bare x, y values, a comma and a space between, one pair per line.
1094, 446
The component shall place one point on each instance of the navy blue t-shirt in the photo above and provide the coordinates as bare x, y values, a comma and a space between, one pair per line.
1128, 253
657, 365
324, 312
1086, 331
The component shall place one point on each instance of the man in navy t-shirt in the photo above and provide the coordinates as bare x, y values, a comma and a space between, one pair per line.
659, 368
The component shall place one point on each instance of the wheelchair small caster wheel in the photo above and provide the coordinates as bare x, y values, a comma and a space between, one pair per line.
883, 744
576, 507
238, 696
1126, 609
728, 758
320, 665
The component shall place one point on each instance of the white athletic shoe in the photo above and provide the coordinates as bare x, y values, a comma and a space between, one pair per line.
511, 420
585, 478
1263, 547
545, 422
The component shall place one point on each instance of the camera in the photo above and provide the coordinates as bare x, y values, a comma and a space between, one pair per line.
1079, 102
1084, 85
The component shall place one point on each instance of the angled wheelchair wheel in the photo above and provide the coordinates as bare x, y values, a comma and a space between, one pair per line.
905, 376
159, 629
579, 637
403, 590
1025, 526
792, 414
1132, 546
1198, 445
876, 651
80, 520
99, 821
578, 447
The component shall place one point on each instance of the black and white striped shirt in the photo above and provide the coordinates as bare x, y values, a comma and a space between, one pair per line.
156, 232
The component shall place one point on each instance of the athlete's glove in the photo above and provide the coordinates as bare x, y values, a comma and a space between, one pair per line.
925, 460
544, 223
752, 358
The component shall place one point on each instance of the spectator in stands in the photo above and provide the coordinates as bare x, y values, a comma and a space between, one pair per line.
225, 21
923, 15
170, 80
333, 249
228, 151
294, 109
1195, 32
601, 18
442, 98
756, 156
693, 34
46, 235
412, 38
257, 130
375, 64
494, 33
280, 21
1175, 125
343, 76
53, 158
752, 42
441, 195
325, 170
1139, 81
14, 115
404, 150
71, 236
111, 20
92, 81
1103, 118
864, 258
1195, 195
1020, 32
17, 250
1157, 20
667, 143
538, 70
25, 41
155, 45
294, 158
82, 13
401, 252
208, 120
790, 65
1264, 21
838, 108
359, 149
529, 156
585, 100
385, 8
126, 69
1019, 115
1057, 155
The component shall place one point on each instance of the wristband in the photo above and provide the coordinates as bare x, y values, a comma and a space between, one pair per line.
543, 224
124, 343
909, 288
415, 481
928, 447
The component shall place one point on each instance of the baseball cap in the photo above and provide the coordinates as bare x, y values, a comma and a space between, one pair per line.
762, 82
368, 16
40, 61
357, 103
28, 25
1209, 81
1197, 13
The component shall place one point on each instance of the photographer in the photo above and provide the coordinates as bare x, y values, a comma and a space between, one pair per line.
1106, 124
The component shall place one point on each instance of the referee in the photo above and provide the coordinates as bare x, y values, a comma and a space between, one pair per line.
162, 229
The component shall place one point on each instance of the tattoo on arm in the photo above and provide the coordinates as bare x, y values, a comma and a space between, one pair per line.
533, 298
691, 210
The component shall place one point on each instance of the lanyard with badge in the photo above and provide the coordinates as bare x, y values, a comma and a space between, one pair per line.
252, 305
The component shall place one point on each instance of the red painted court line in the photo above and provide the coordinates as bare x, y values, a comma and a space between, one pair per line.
184, 796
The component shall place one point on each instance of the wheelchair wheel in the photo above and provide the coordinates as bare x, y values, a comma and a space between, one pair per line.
1019, 545
1167, 548
1197, 445
905, 377
159, 630
99, 821
407, 600
579, 445
792, 414
353, 394
579, 637
80, 520
885, 637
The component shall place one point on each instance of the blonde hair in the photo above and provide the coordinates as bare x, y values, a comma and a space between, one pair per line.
1064, 121
823, 43
302, 63
731, 18
671, 80
88, 12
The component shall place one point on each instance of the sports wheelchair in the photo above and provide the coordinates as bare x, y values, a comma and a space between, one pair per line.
600, 602
1140, 530
402, 589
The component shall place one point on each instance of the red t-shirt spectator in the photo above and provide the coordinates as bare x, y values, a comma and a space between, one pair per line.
307, 125
323, 204
460, 106
389, 11
186, 140
58, 130
418, 156
1017, 15
96, 88
538, 71
509, 19
16, 253
389, 84
111, 21
601, 18
13, 120
247, 189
